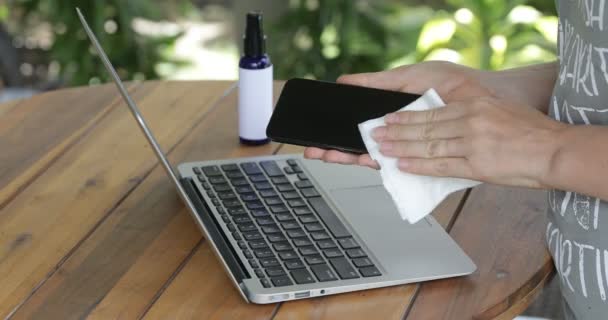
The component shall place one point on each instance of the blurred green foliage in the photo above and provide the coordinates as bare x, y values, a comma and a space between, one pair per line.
134, 55
323, 39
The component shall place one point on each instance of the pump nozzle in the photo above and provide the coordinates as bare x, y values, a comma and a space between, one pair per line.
254, 39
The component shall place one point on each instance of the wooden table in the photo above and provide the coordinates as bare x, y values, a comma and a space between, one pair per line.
90, 226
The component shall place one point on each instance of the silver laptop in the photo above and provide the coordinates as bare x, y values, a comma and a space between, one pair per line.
287, 228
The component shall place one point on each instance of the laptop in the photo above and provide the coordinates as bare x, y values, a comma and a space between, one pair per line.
286, 228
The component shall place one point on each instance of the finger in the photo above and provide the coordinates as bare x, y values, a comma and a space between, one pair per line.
314, 153
443, 148
340, 157
366, 160
438, 167
432, 115
428, 131
387, 80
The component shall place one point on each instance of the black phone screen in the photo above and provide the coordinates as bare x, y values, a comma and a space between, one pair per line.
326, 114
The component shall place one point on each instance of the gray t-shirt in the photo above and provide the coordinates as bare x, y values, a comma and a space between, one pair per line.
577, 231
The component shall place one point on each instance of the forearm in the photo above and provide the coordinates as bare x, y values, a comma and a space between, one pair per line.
580, 161
531, 85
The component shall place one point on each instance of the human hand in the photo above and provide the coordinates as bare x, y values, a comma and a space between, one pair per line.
451, 81
484, 138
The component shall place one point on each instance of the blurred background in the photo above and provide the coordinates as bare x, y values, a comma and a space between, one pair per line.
43, 47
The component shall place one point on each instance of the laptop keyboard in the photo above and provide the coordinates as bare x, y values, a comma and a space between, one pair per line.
286, 230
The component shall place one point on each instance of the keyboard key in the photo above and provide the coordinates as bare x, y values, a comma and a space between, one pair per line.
302, 242
296, 203
258, 213
290, 225
221, 210
242, 244
259, 273
266, 283
216, 202
302, 176
248, 254
323, 272
322, 235
291, 195
370, 271
294, 264
355, 253
230, 167
281, 281
296, 233
244, 189
217, 180
251, 205
313, 227
275, 272
263, 253
279, 209
196, 170
302, 276
362, 262
229, 195
234, 175
239, 182
247, 227
284, 217
237, 236
307, 251
344, 269
310, 193
279, 180
314, 259
269, 262
270, 229
268, 193
206, 185
276, 238
302, 210
201, 178
271, 168
231, 227
303, 184
348, 243
258, 178
262, 185
253, 235
308, 218
332, 253
287, 255
288, 170
329, 217
253, 263
222, 187
326, 244
232, 204
242, 219
212, 171
285, 187
249, 197
292, 162
258, 244
273, 201
211, 194
297, 169
226, 218
282, 246
251, 168
235, 211
265, 221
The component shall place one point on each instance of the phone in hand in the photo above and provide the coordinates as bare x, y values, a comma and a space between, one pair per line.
323, 114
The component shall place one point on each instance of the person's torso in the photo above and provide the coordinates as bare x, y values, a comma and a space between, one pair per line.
577, 229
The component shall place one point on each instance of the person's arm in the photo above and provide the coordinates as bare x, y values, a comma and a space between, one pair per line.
580, 161
530, 85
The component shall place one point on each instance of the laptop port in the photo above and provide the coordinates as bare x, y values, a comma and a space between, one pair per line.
304, 294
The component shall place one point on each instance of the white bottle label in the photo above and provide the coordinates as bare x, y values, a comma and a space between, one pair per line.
255, 102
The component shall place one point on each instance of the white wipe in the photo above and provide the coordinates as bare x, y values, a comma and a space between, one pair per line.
415, 196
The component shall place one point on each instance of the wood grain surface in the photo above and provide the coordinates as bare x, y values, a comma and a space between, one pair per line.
90, 226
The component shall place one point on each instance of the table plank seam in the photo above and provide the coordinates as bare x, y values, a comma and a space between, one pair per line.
449, 226
215, 103
169, 280
98, 119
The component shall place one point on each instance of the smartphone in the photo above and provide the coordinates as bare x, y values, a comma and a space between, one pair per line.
325, 114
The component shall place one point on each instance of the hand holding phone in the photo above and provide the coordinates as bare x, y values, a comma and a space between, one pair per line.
326, 115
